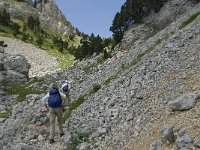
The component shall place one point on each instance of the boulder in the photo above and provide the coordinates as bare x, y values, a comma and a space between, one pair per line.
184, 102
168, 133
14, 69
156, 145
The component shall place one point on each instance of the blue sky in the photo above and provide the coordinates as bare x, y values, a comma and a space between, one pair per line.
91, 16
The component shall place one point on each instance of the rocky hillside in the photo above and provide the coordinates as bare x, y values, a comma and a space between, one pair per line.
41, 62
144, 98
49, 15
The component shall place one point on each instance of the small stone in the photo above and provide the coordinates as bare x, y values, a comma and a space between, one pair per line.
66, 138
2, 120
168, 133
197, 142
41, 138
38, 123
156, 145
101, 130
84, 146
130, 117
2, 108
187, 139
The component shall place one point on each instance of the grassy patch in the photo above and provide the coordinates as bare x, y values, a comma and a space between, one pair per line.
75, 104
189, 20
88, 69
5, 114
64, 58
21, 91
5, 30
82, 137
94, 89
36, 80
108, 81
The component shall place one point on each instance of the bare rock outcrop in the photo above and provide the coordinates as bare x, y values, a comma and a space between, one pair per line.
50, 16
13, 69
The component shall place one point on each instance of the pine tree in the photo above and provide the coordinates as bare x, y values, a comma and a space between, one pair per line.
132, 11
4, 17
39, 41
15, 27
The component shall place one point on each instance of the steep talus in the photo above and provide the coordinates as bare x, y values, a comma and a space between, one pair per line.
136, 85
140, 93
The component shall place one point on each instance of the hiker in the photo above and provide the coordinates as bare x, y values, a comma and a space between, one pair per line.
54, 101
66, 86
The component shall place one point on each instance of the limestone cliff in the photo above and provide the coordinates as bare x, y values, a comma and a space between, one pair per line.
48, 13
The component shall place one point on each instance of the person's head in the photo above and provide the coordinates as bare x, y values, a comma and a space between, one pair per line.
66, 81
53, 86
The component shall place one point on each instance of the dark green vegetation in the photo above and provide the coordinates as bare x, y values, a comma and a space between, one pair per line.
23, 90
94, 89
90, 45
189, 20
76, 103
5, 114
80, 138
132, 12
1, 67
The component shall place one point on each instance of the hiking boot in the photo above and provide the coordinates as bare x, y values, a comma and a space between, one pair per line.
61, 134
51, 141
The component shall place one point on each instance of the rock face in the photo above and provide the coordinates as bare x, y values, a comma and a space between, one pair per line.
52, 18
48, 13
14, 69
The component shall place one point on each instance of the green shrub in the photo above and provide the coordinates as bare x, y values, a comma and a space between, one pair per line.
5, 114
106, 54
75, 104
36, 80
1, 67
96, 87
25, 36
88, 69
189, 20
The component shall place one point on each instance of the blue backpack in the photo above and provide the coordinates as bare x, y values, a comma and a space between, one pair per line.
65, 88
54, 100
